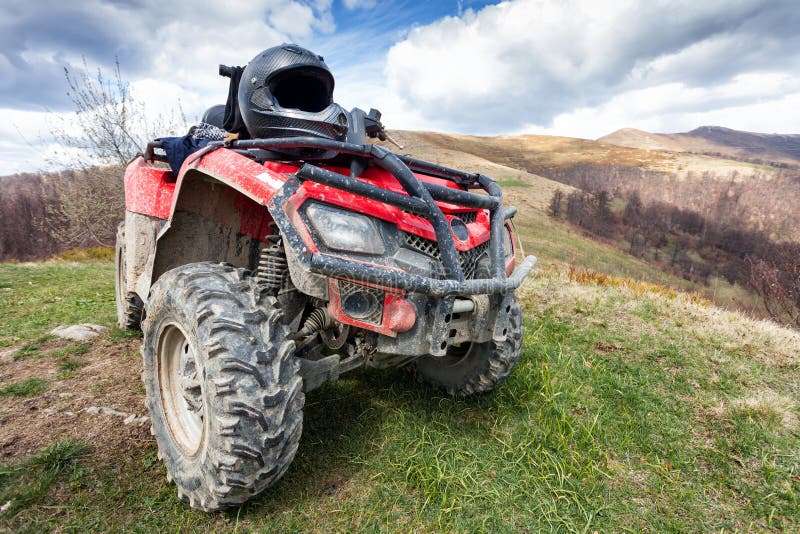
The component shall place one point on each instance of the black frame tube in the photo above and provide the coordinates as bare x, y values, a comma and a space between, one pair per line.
339, 181
420, 197
343, 268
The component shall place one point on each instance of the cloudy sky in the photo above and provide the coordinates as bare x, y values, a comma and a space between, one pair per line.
580, 68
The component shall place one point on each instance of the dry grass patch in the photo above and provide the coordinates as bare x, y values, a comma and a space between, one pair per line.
765, 407
636, 287
87, 254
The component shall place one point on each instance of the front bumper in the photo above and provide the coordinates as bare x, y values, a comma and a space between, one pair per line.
433, 298
435, 327
328, 265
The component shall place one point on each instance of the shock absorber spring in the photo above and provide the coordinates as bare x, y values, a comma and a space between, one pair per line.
272, 265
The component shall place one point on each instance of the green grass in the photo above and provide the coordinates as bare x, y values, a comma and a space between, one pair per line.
25, 484
511, 182
72, 349
39, 297
624, 414
30, 387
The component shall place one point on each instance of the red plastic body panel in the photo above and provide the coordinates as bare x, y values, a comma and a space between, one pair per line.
152, 191
149, 190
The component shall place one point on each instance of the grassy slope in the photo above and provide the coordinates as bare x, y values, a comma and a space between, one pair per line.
556, 244
627, 411
537, 153
36, 297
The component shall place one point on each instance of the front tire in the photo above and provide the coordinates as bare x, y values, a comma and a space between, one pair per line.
223, 388
475, 367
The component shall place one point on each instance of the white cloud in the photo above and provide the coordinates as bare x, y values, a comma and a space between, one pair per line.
675, 107
170, 61
535, 63
581, 68
358, 4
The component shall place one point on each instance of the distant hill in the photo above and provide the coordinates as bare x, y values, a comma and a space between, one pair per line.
743, 194
715, 140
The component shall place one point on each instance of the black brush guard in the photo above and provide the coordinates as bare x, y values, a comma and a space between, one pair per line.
421, 200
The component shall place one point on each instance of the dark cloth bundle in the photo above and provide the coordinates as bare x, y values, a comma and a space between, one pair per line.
179, 148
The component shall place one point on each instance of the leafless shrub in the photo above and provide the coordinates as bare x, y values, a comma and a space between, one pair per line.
776, 278
90, 205
556, 203
109, 127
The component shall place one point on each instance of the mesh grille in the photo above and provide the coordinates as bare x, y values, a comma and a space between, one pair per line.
468, 259
348, 288
468, 217
426, 246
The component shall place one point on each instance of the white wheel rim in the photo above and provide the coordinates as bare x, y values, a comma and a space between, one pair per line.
180, 387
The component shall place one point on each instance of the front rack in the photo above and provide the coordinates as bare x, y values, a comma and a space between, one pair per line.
420, 199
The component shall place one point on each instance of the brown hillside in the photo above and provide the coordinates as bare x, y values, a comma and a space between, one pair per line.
714, 140
739, 193
437, 148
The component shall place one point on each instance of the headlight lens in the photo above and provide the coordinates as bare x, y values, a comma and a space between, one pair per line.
345, 230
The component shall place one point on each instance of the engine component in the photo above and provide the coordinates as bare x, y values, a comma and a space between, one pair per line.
317, 320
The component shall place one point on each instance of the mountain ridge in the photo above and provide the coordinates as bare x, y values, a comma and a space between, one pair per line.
714, 140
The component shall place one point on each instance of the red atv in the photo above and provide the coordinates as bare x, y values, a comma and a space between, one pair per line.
265, 267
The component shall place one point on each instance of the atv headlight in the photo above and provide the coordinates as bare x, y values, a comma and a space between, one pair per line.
345, 230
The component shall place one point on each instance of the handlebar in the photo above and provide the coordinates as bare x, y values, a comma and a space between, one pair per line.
226, 71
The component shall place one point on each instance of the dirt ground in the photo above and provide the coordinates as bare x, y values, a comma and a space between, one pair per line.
92, 406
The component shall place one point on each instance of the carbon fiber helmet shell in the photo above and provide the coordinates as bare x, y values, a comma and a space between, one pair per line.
287, 91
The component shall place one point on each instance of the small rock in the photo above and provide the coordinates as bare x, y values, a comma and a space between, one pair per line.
5, 507
92, 409
79, 332
7, 355
130, 419
112, 411
71, 414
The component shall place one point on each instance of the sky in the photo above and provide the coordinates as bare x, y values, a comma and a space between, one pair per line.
580, 68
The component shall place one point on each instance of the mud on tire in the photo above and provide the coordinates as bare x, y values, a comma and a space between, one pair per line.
475, 367
222, 385
129, 305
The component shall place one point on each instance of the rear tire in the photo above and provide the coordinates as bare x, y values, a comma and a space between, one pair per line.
222, 383
475, 367
129, 305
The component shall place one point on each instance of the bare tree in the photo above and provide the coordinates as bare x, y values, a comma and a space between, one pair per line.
556, 203
776, 279
109, 127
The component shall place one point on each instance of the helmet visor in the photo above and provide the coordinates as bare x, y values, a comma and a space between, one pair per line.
304, 89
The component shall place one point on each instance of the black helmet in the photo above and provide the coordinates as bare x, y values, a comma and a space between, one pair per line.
287, 91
